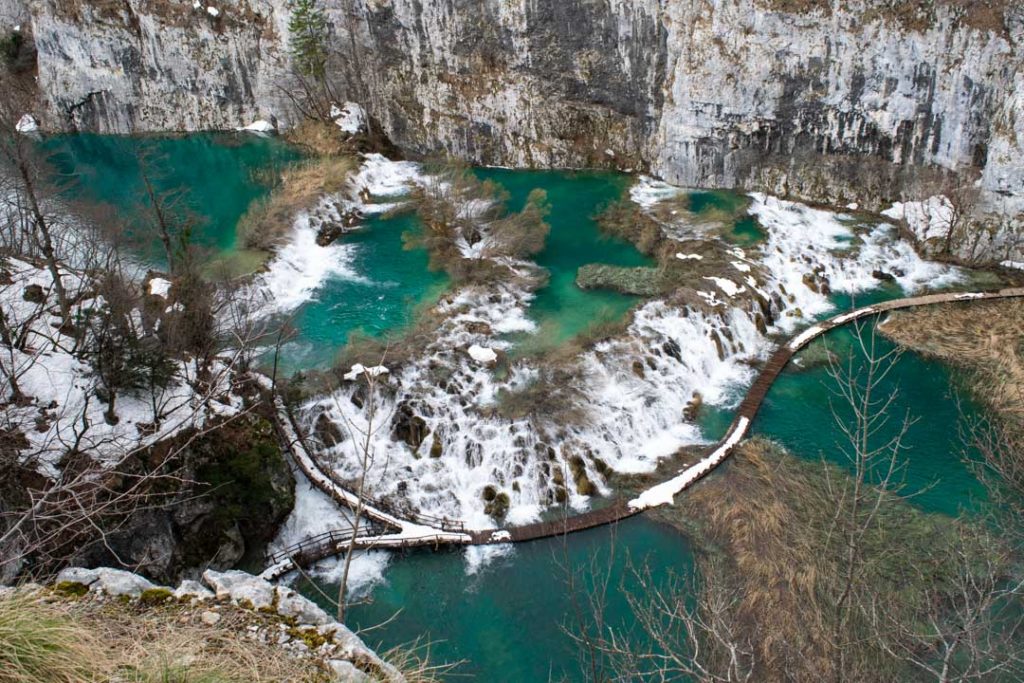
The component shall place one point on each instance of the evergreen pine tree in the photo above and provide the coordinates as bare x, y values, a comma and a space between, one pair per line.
308, 31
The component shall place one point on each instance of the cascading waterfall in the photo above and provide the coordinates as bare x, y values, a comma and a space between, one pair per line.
439, 445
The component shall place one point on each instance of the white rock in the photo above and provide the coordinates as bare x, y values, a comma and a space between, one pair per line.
112, 582
27, 124
346, 672
291, 604
193, 589
209, 618
482, 354
240, 586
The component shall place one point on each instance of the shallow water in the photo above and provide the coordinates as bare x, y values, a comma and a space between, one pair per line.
387, 284
220, 174
507, 621
561, 309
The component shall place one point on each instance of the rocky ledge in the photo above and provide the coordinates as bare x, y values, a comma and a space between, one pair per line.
275, 615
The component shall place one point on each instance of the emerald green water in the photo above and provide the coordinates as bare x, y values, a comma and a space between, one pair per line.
218, 174
507, 620
561, 309
798, 413
390, 283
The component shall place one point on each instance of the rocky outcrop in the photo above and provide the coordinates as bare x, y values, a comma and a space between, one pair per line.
280, 616
236, 489
836, 102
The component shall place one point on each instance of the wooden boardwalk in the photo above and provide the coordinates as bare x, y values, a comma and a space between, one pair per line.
401, 532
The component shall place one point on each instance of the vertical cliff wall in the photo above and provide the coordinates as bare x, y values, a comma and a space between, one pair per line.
865, 101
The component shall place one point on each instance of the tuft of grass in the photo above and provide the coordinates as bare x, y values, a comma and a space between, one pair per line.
41, 643
413, 661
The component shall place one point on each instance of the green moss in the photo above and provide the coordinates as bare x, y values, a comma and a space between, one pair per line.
71, 589
310, 636
155, 596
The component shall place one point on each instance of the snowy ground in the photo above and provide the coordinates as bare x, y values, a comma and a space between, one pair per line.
64, 410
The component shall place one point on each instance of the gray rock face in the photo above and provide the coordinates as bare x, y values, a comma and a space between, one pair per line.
113, 582
844, 102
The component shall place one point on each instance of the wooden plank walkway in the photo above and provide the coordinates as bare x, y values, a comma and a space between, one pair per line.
455, 533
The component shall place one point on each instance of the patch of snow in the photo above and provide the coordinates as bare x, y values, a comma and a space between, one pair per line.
969, 296
648, 192
665, 493
159, 286
728, 287
689, 257
805, 336
260, 126
213, 12
359, 369
1019, 265
350, 118
928, 219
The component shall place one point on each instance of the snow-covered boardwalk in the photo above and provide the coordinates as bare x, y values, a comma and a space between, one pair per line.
389, 530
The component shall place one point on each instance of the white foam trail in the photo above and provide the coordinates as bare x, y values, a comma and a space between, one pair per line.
301, 267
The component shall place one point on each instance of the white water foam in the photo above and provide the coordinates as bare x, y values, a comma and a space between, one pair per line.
635, 389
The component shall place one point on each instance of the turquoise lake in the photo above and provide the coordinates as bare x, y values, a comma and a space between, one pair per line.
507, 620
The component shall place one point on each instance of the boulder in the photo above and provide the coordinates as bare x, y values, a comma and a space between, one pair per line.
240, 587
113, 582
291, 604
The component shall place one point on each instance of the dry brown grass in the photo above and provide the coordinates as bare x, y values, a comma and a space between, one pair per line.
768, 515
267, 220
101, 641
985, 337
320, 138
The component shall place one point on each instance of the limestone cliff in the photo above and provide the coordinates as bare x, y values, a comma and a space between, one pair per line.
866, 101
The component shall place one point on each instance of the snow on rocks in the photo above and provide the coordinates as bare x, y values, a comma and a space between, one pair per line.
728, 287
1019, 265
482, 354
689, 257
351, 118
158, 286
213, 12
27, 124
928, 220
359, 370
261, 127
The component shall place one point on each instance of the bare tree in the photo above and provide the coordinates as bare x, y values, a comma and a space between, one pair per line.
863, 417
